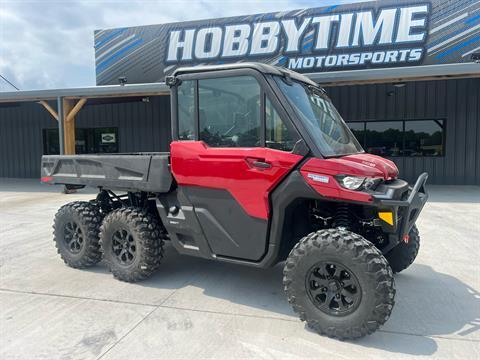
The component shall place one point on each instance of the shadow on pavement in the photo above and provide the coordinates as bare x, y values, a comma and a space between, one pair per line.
35, 186
428, 303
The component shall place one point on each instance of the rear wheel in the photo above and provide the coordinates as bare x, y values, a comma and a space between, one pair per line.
404, 254
76, 227
132, 243
339, 283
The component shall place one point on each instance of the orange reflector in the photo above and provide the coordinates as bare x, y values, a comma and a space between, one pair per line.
386, 216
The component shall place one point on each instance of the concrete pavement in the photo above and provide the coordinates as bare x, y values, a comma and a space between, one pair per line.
194, 308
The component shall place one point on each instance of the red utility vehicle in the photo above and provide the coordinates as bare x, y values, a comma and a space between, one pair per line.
262, 169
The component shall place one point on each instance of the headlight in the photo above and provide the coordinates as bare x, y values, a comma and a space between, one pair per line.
351, 182
358, 182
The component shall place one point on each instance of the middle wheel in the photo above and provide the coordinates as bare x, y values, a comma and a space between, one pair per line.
132, 244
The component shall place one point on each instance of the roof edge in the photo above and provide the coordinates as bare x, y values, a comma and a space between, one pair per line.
91, 91
261, 67
412, 73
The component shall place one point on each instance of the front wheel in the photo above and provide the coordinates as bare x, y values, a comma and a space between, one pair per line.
339, 283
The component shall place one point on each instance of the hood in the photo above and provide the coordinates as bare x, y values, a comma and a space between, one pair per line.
358, 164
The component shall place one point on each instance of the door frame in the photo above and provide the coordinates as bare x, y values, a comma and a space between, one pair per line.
265, 91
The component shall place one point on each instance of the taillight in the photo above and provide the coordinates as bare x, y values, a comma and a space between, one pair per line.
46, 179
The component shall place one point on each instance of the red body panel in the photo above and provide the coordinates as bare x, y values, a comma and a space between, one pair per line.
365, 165
232, 169
358, 165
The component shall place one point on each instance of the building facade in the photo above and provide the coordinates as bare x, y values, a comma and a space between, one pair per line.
444, 112
422, 112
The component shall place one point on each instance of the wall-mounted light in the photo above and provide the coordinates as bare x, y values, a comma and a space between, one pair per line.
399, 85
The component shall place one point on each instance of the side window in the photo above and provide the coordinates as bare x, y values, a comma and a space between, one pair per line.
186, 110
229, 111
277, 135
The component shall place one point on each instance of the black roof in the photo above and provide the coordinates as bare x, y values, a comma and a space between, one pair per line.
263, 68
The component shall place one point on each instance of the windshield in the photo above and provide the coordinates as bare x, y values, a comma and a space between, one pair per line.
321, 119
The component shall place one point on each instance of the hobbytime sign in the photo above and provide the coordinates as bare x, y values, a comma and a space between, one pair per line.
377, 34
385, 36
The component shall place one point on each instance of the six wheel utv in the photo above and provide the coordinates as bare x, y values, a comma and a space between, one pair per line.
261, 170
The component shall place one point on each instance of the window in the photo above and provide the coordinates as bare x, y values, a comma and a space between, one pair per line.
277, 135
320, 118
229, 112
87, 141
51, 145
358, 129
102, 140
384, 138
424, 138
401, 138
186, 110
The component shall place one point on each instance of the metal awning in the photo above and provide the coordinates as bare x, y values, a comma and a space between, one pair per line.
330, 78
86, 92
397, 74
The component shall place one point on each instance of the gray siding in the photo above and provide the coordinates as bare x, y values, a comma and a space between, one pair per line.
457, 101
21, 141
141, 127
146, 126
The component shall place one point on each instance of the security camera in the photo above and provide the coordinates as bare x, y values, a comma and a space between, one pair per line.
476, 57
122, 80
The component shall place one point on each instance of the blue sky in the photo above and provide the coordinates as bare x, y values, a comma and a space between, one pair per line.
46, 44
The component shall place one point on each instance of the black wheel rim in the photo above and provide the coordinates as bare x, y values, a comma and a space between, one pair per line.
73, 237
124, 247
333, 288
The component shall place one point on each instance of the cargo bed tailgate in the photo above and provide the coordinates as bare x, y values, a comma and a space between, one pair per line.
129, 172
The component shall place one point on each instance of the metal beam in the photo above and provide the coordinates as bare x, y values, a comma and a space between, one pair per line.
61, 119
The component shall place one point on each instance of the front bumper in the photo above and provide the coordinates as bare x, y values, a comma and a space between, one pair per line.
405, 203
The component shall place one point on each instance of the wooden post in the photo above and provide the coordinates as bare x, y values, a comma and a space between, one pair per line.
78, 106
68, 128
70, 109
49, 109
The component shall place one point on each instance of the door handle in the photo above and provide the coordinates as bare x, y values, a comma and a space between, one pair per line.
258, 163
261, 164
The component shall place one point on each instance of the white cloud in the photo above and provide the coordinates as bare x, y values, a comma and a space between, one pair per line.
49, 43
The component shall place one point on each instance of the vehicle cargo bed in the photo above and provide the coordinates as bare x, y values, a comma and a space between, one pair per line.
129, 172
